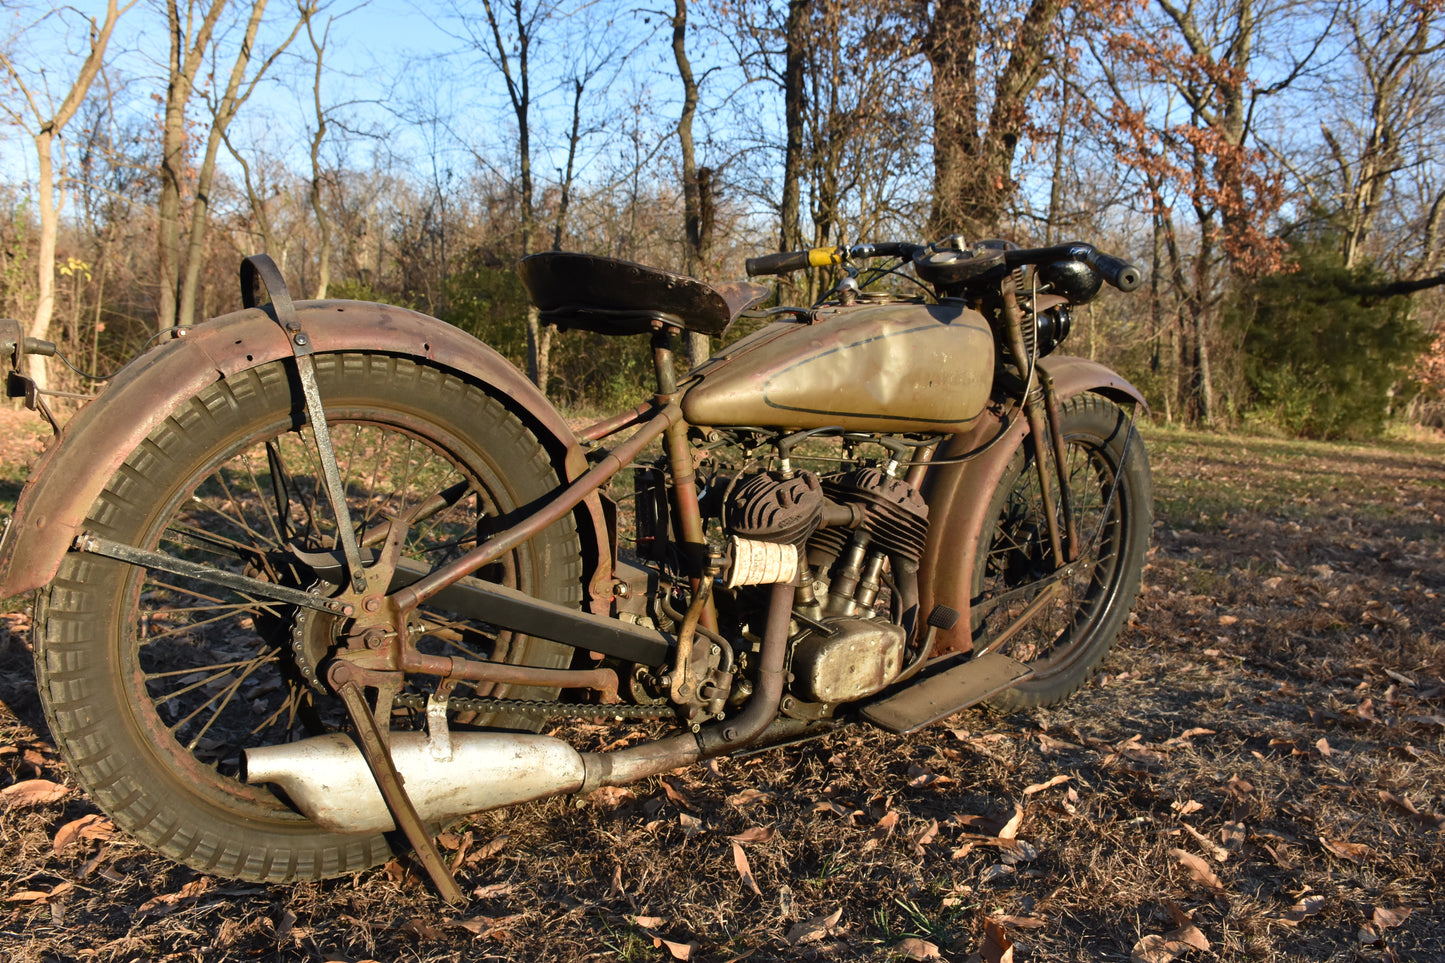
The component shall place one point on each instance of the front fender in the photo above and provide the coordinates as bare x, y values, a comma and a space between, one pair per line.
101, 436
958, 495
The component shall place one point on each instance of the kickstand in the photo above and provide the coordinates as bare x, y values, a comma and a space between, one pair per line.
388, 780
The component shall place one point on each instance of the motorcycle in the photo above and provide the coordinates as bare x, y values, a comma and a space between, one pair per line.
314, 573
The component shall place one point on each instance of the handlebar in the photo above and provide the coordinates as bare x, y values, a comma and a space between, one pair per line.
789, 261
1118, 272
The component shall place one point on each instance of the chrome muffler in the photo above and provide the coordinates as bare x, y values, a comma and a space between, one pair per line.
328, 780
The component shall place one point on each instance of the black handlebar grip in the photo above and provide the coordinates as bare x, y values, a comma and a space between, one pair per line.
776, 263
1118, 272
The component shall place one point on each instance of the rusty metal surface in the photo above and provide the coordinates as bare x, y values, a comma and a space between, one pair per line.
378, 759
945, 693
98, 439
498, 545
472, 670
909, 367
958, 495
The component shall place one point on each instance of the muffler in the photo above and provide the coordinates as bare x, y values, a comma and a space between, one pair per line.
327, 779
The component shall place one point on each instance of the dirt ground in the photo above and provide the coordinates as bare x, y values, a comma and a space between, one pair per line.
1257, 774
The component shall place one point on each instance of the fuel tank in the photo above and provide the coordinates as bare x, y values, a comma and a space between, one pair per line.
889, 367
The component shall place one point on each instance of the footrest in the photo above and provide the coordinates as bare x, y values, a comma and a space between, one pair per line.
935, 696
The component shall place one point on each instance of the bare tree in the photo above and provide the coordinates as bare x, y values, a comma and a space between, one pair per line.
696, 182
1396, 49
238, 90
973, 162
44, 121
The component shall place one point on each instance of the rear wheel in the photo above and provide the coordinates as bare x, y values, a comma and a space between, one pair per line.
1112, 492
154, 683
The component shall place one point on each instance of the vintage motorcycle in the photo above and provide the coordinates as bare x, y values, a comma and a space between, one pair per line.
314, 575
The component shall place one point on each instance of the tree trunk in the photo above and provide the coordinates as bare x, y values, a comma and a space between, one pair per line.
972, 167
323, 223
794, 100
225, 112
695, 223
186, 53
47, 129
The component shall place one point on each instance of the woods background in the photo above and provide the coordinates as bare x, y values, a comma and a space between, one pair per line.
1275, 165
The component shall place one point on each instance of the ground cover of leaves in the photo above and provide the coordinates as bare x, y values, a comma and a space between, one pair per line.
1257, 774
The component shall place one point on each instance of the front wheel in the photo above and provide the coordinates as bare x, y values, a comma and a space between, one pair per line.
155, 683
1112, 493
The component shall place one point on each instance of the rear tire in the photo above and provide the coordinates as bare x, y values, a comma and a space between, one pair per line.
1066, 641
154, 683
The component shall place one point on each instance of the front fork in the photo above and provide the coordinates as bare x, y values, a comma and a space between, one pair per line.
1041, 408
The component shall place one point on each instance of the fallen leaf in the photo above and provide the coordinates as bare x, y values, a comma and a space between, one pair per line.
995, 873
1354, 852
1428, 820
487, 927
915, 949
883, 830
1402, 679
90, 826
1022, 922
997, 947
493, 890
1188, 935
1041, 786
691, 825
785, 901
1306, 907
1198, 868
740, 859
648, 922
929, 834
610, 797
749, 796
421, 928
1154, 949
1162, 949
1323, 745
1185, 808
1232, 836
189, 893
1219, 853
675, 794
814, 929
679, 951
27, 896
33, 792
920, 776
756, 834
1388, 919
1011, 828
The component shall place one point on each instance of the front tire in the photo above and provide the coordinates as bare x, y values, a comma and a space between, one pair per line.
154, 683
1068, 639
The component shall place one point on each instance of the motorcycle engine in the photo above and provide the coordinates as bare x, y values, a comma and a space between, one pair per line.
864, 532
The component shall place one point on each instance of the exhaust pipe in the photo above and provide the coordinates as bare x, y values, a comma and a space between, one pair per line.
458, 773
327, 779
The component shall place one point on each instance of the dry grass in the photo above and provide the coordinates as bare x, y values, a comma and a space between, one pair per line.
1247, 766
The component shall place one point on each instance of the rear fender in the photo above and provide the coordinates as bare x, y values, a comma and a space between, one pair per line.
101, 436
958, 495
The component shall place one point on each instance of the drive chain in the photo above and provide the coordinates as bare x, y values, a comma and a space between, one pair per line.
537, 709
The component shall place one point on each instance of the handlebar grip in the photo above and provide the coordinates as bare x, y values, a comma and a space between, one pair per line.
789, 261
1118, 272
